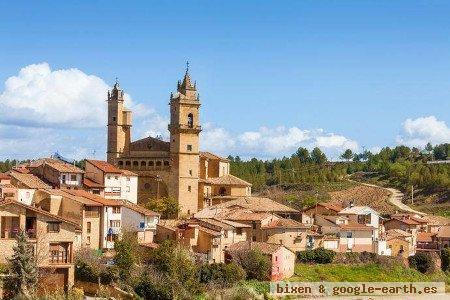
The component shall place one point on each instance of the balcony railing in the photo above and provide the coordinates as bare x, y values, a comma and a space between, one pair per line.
91, 214
59, 257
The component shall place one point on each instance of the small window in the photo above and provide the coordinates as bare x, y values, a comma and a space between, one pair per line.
120, 163
189, 188
88, 227
63, 178
114, 119
189, 147
143, 164
116, 209
73, 177
349, 235
142, 225
147, 186
254, 238
53, 226
190, 172
114, 223
128, 178
166, 163
151, 163
190, 121
88, 240
128, 163
158, 163
127, 189
116, 177
135, 163
253, 224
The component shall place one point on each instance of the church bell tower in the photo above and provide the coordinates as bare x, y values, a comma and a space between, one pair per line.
184, 130
119, 125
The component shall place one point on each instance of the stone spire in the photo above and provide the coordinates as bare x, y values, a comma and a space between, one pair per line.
186, 84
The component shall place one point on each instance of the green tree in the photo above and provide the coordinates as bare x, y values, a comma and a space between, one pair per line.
167, 206
24, 267
318, 156
254, 262
303, 155
126, 253
347, 155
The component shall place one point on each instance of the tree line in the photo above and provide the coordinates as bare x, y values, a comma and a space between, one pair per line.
402, 166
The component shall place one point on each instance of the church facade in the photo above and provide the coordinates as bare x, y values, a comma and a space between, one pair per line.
175, 168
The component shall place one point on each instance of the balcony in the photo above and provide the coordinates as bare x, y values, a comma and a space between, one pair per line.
91, 214
60, 253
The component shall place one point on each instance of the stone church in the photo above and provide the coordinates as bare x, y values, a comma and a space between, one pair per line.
175, 168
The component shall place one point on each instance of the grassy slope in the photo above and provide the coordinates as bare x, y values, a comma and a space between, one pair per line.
369, 272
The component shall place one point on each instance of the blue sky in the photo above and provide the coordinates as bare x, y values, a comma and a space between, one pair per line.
336, 74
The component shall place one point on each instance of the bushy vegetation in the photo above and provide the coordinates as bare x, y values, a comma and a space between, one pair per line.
166, 206
421, 261
222, 275
91, 267
254, 262
445, 259
401, 166
318, 255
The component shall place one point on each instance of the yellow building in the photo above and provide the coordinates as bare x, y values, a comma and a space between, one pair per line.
175, 168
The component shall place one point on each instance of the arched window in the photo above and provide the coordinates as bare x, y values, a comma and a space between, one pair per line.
128, 163
143, 164
190, 120
158, 163
120, 163
166, 163
151, 163
135, 163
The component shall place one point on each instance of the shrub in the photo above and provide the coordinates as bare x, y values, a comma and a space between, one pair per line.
153, 287
421, 262
445, 259
90, 267
225, 275
254, 262
319, 255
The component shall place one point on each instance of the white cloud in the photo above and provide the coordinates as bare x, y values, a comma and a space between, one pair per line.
41, 97
418, 132
272, 142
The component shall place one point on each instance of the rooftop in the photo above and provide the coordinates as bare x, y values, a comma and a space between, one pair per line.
266, 248
358, 210
257, 204
29, 180
212, 156
227, 180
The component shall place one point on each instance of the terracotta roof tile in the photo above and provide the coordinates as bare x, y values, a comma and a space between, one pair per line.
104, 166
29, 180
95, 198
444, 232
285, 223
212, 156
91, 183
227, 180
139, 209
62, 167
257, 204
405, 220
425, 237
266, 248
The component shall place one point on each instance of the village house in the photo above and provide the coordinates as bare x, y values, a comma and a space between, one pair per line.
435, 222
7, 190
321, 208
282, 259
103, 220
110, 182
25, 185
57, 173
400, 243
52, 237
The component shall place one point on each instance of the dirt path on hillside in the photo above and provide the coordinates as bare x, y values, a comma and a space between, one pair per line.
395, 198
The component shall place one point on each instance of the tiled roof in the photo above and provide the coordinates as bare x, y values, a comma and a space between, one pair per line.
216, 223
61, 166
212, 156
357, 210
139, 209
95, 198
331, 206
29, 180
227, 180
436, 220
412, 217
128, 173
245, 215
285, 223
405, 220
4, 176
266, 248
257, 204
91, 183
235, 224
209, 231
391, 233
65, 194
150, 144
444, 232
104, 166
425, 237
40, 211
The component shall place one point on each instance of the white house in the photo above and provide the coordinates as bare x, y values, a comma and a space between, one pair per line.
110, 182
